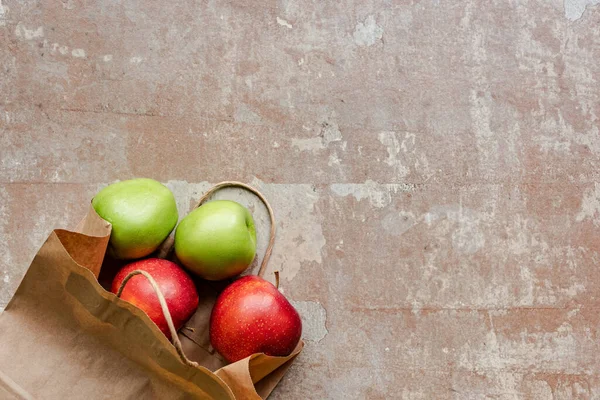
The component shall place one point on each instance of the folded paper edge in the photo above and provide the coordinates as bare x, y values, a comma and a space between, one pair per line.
281, 359
264, 387
91, 223
243, 367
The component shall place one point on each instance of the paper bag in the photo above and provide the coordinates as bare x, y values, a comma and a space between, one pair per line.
63, 336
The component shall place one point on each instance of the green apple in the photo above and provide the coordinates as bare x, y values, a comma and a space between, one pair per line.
217, 240
142, 213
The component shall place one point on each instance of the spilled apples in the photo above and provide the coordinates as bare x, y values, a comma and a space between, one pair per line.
217, 240
142, 213
252, 316
174, 283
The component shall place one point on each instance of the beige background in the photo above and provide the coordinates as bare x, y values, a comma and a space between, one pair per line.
433, 164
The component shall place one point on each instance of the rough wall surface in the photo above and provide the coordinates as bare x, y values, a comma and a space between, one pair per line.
435, 168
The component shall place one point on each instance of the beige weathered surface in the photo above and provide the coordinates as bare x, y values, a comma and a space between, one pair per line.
434, 166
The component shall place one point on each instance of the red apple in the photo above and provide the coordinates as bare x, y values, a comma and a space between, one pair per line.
252, 316
174, 283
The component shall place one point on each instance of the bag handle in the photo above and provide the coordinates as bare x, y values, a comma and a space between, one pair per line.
167, 247
165, 309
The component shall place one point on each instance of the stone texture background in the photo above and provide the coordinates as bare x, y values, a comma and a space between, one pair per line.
434, 166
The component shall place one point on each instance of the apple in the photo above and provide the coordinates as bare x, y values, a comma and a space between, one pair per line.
175, 284
252, 316
216, 240
142, 213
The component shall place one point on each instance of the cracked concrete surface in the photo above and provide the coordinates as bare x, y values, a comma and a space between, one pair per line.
434, 167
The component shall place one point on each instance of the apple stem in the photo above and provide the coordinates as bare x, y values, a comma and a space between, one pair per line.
165, 309
276, 279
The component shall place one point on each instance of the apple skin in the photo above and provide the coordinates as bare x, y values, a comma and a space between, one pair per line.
252, 316
216, 240
175, 284
142, 212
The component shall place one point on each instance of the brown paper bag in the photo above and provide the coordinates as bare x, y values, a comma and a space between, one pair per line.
63, 336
